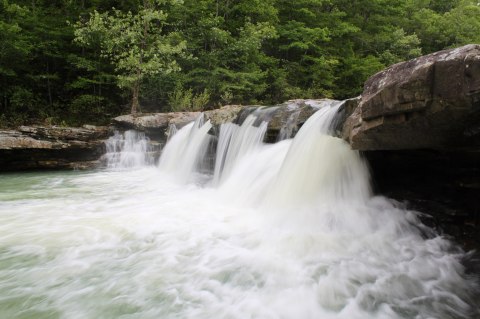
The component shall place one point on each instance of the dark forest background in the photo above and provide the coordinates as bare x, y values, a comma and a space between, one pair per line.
56, 68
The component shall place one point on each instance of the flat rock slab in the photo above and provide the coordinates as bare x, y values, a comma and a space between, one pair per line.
158, 123
44, 147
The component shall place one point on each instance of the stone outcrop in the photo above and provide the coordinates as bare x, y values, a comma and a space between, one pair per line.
225, 114
443, 185
431, 102
156, 124
418, 125
40, 147
287, 118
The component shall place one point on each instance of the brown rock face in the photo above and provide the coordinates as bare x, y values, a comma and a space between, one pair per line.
288, 118
418, 125
156, 124
38, 147
430, 102
225, 114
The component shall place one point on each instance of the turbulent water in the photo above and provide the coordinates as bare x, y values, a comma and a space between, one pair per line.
289, 230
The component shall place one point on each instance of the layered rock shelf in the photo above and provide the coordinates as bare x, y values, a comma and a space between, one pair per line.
39, 147
432, 102
155, 125
418, 125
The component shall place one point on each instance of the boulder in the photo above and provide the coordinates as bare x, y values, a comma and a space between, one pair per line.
432, 102
41, 147
287, 118
417, 124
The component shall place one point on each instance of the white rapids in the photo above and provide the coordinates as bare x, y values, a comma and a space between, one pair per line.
289, 230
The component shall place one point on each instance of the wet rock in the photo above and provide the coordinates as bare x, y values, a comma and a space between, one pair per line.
42, 147
225, 114
430, 102
283, 119
443, 185
348, 116
418, 125
287, 118
155, 125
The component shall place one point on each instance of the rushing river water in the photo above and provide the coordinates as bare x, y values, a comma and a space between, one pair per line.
289, 230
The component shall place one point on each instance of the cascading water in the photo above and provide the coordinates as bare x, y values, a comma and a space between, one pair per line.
285, 230
172, 130
186, 149
234, 143
288, 129
127, 150
320, 169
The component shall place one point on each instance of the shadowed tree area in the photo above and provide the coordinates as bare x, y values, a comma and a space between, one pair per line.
73, 62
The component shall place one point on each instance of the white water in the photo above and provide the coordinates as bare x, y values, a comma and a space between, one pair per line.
291, 125
128, 150
234, 143
291, 232
186, 149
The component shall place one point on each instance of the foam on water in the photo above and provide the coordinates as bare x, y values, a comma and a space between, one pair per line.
292, 231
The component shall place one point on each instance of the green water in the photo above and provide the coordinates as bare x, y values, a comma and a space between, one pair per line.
138, 244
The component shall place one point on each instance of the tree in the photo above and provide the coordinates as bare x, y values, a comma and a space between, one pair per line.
135, 43
226, 41
15, 51
233, 51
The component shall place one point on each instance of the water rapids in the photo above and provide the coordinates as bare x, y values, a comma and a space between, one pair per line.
288, 230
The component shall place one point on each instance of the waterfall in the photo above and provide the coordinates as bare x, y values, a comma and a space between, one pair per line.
172, 130
290, 126
285, 230
320, 168
128, 150
186, 149
314, 169
234, 143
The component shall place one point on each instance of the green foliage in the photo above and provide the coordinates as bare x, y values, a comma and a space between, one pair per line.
89, 108
200, 101
15, 45
73, 62
462, 23
180, 99
134, 43
22, 98
401, 47
185, 100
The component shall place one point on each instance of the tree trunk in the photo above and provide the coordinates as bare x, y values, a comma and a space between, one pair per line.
135, 93
49, 89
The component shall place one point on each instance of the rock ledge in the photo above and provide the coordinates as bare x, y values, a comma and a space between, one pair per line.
42, 147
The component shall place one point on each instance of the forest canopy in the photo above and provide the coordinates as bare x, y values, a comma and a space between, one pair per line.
78, 61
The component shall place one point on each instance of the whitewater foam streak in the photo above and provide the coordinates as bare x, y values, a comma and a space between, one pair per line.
320, 169
292, 231
235, 142
186, 149
128, 150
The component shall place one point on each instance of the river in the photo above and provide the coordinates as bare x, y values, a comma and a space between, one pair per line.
289, 230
